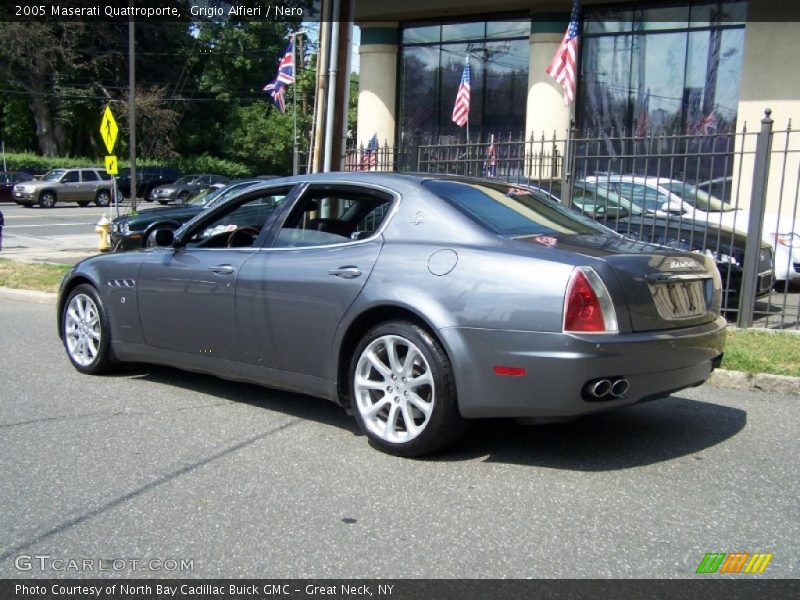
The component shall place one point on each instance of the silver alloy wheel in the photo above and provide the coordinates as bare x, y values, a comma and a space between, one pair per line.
82, 330
394, 389
103, 199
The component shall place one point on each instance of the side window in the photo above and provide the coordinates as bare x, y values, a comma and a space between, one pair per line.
104, 176
241, 224
324, 217
89, 175
71, 177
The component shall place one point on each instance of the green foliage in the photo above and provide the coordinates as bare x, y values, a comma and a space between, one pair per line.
38, 165
210, 164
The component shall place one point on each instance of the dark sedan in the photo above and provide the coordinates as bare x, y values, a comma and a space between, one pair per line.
724, 245
8, 179
138, 230
417, 302
181, 189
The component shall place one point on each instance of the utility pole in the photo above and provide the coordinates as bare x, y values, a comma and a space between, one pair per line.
132, 107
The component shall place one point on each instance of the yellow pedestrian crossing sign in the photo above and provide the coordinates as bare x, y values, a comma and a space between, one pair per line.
108, 130
111, 165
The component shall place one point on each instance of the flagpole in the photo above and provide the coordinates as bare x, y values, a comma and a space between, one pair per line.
295, 157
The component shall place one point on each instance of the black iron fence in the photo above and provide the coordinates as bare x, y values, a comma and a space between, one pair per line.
731, 196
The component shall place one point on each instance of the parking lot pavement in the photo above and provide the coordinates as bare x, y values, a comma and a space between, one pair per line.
155, 463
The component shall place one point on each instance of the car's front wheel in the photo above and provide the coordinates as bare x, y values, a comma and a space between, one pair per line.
47, 199
403, 391
86, 331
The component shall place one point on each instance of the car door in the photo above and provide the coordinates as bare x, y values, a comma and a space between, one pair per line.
89, 184
292, 296
69, 188
187, 294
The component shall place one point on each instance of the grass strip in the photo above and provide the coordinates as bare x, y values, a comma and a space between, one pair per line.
42, 277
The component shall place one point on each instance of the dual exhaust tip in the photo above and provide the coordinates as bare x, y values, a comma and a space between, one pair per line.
606, 389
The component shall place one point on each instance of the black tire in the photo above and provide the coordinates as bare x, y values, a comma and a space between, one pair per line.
47, 199
183, 196
394, 394
103, 198
79, 326
83, 203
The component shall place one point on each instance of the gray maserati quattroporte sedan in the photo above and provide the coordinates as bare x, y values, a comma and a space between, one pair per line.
419, 302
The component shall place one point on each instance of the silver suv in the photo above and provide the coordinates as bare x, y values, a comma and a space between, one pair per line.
66, 185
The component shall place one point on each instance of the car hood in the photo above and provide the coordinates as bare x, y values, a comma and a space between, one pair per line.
168, 212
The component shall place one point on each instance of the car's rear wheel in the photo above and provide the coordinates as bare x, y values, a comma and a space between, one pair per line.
103, 198
403, 392
47, 199
86, 331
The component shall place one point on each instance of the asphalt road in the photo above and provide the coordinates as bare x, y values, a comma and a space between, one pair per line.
61, 234
155, 463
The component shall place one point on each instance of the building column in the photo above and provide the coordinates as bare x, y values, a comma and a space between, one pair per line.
546, 112
377, 83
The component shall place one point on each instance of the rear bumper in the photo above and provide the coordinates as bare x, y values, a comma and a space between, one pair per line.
557, 366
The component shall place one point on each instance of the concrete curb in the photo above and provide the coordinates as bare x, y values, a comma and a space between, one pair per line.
761, 382
28, 295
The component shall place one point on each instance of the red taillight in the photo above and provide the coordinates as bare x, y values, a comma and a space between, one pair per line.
588, 307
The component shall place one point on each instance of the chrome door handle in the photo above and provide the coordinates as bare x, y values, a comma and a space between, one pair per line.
222, 269
346, 272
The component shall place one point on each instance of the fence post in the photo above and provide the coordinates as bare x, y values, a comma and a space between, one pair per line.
566, 168
758, 198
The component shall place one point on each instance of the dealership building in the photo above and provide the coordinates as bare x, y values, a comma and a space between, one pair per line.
657, 67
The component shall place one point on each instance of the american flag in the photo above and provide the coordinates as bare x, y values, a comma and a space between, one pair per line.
490, 164
369, 160
562, 67
277, 88
461, 108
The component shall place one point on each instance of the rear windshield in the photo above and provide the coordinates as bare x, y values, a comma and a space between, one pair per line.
511, 211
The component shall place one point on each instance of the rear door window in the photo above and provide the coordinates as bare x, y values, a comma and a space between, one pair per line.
327, 215
89, 175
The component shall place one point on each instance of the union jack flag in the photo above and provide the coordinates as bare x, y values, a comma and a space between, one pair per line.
562, 67
461, 108
277, 88
707, 124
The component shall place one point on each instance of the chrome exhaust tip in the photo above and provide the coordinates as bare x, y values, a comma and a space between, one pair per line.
600, 388
620, 388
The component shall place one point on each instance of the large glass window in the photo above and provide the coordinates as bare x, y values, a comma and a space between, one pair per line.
432, 63
661, 70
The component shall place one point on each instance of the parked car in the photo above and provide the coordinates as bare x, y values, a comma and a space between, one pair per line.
181, 189
81, 185
146, 179
726, 246
8, 179
663, 197
132, 231
418, 302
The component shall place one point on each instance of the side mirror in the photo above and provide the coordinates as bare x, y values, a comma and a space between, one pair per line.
164, 238
672, 207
